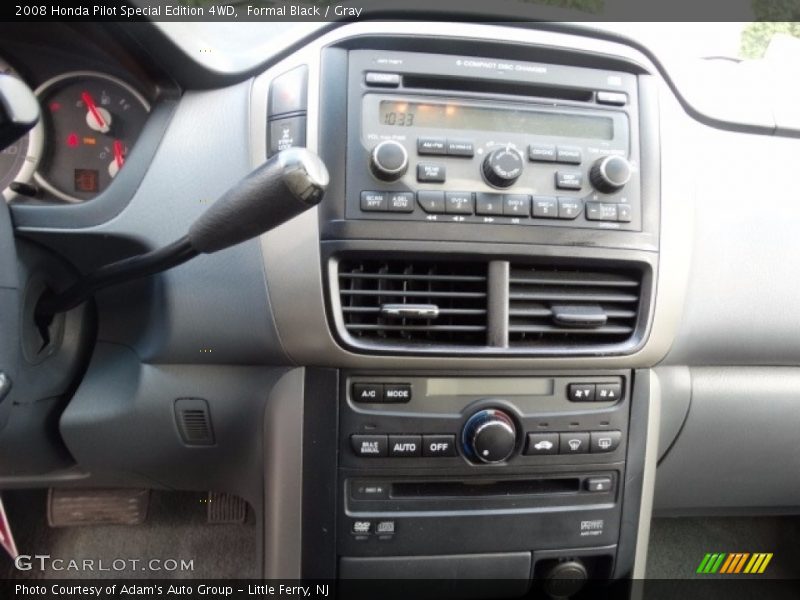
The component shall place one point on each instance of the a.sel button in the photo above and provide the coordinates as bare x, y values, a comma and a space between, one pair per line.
397, 392
369, 445
405, 445
401, 202
438, 445
368, 392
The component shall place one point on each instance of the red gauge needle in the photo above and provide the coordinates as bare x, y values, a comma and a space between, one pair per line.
119, 156
89, 102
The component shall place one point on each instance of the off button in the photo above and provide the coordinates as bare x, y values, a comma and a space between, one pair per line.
438, 445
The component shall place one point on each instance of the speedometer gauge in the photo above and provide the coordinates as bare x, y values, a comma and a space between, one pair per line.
91, 122
18, 161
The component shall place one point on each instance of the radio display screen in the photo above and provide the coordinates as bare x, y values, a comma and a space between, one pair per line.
398, 113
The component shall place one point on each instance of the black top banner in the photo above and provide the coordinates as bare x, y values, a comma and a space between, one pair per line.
355, 10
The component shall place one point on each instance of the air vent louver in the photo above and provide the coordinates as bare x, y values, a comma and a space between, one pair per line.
414, 303
194, 421
568, 308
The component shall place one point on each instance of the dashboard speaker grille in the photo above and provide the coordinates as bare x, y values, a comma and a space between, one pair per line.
406, 302
569, 308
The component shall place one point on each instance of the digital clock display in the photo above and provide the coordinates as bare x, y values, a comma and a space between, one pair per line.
447, 115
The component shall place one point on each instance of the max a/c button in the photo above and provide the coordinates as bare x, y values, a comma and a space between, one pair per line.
396, 392
370, 445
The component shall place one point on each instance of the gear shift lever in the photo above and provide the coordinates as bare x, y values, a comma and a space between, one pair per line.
288, 184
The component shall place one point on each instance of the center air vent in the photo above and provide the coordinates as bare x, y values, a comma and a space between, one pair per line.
414, 303
569, 308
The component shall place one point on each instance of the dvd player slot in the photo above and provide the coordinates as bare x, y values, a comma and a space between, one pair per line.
478, 489
487, 86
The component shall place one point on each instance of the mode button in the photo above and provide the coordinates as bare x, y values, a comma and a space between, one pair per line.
396, 392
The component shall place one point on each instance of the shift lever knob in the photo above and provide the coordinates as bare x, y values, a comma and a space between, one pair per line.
289, 183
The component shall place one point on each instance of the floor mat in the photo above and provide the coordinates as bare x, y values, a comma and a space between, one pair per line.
677, 546
175, 530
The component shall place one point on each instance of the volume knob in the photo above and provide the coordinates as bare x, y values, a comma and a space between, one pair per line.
502, 167
610, 173
388, 161
489, 436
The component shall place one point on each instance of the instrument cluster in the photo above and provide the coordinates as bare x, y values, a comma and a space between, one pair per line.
90, 121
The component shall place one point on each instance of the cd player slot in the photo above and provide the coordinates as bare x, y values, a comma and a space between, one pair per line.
488, 86
478, 489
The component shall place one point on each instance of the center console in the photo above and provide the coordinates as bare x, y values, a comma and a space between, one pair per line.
493, 206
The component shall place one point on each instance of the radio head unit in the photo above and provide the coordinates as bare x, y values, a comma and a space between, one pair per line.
440, 138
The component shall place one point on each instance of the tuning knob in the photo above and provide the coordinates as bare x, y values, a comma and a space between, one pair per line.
388, 161
610, 173
502, 167
489, 436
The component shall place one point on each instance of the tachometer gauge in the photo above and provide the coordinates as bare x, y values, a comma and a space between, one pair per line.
18, 161
91, 122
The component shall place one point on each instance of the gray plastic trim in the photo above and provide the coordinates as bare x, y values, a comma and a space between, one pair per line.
283, 478
649, 479
291, 252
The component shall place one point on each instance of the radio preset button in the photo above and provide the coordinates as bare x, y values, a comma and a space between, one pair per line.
597, 211
569, 208
431, 201
605, 441
545, 207
374, 201
403, 446
463, 148
542, 152
569, 180
569, 155
431, 173
430, 145
435, 446
542, 443
369, 445
401, 202
488, 204
573, 443
458, 203
516, 205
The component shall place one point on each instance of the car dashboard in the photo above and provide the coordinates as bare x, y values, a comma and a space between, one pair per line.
514, 329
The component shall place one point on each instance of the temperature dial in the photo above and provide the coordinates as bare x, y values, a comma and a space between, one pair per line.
502, 167
489, 436
610, 173
388, 161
